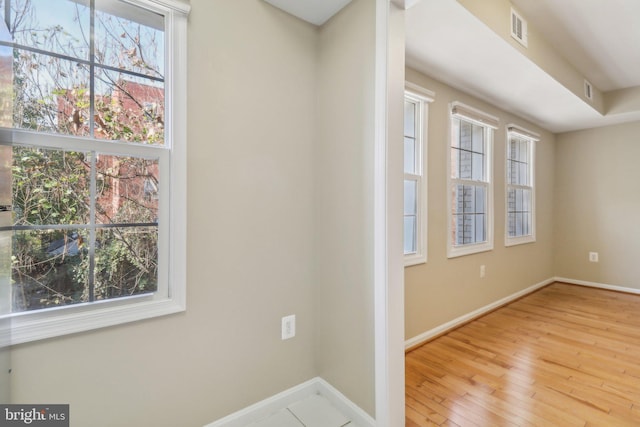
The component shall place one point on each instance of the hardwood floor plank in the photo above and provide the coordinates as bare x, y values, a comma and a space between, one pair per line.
563, 356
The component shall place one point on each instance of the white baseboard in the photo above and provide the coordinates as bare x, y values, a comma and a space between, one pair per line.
426, 336
352, 411
275, 403
598, 285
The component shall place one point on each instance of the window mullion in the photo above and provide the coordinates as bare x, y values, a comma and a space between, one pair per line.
92, 68
92, 185
92, 226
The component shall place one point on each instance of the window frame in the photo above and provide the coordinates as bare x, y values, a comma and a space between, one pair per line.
489, 124
531, 138
21, 327
421, 97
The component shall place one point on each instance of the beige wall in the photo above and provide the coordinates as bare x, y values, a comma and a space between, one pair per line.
280, 128
444, 289
597, 201
344, 214
252, 73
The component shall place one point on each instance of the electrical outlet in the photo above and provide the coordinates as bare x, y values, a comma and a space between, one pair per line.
483, 271
593, 256
288, 327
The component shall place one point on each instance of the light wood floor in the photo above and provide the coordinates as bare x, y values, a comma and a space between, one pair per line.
562, 356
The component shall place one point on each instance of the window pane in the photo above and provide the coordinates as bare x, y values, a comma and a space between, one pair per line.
457, 197
60, 26
409, 234
469, 229
511, 224
478, 139
477, 167
518, 224
480, 228
518, 200
51, 94
410, 197
465, 164
49, 268
523, 174
409, 119
409, 155
465, 135
128, 108
512, 152
469, 199
526, 200
480, 199
50, 186
458, 230
126, 262
524, 151
469, 216
127, 190
519, 214
511, 200
129, 38
512, 172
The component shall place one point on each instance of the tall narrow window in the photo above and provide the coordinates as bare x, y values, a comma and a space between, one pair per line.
93, 139
520, 195
470, 181
415, 197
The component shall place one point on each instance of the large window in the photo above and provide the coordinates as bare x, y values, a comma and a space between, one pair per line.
415, 182
92, 137
520, 189
470, 181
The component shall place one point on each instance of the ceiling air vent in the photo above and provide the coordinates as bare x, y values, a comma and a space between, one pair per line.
518, 28
588, 90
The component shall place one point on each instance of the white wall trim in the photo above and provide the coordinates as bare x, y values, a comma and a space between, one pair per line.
426, 336
277, 402
388, 363
598, 285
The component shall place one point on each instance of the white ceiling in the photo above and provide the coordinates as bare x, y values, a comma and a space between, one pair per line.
315, 11
600, 38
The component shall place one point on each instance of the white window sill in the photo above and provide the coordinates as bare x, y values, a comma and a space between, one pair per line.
29, 326
414, 259
458, 251
514, 241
